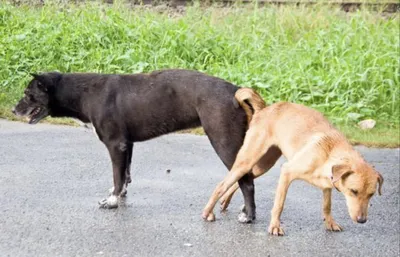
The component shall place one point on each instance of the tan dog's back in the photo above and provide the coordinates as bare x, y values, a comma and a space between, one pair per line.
291, 126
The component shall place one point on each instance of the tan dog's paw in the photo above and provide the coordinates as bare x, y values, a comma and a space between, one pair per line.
208, 216
275, 230
211, 217
331, 225
225, 201
224, 206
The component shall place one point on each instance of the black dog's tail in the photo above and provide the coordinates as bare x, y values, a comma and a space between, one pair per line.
250, 101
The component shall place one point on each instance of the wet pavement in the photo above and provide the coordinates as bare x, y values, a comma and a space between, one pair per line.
51, 178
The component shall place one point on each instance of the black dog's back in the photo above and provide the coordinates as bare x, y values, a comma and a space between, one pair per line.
149, 105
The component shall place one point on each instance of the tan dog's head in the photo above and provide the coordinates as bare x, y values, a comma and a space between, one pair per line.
358, 183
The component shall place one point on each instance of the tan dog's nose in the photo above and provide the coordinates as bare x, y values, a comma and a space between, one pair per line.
361, 219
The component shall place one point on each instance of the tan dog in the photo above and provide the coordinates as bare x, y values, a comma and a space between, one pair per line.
316, 152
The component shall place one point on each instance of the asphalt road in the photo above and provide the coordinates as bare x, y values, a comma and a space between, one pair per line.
51, 178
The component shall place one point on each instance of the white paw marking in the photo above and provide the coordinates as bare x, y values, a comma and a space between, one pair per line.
123, 191
109, 203
112, 200
242, 218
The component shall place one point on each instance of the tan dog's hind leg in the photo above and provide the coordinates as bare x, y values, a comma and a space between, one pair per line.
227, 197
263, 165
330, 224
254, 147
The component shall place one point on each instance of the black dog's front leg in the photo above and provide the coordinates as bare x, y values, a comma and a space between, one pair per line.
128, 178
119, 154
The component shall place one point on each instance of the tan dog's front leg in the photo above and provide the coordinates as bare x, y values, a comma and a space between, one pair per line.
330, 223
280, 196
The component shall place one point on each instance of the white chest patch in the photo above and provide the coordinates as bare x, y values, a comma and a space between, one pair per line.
87, 126
94, 130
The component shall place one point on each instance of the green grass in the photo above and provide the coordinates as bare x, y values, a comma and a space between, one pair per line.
381, 136
345, 65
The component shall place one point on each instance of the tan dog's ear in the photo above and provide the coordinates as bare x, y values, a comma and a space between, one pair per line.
340, 171
380, 182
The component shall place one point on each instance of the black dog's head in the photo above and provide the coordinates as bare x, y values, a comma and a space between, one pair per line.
37, 99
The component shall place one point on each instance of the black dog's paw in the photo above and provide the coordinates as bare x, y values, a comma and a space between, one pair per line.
109, 203
244, 218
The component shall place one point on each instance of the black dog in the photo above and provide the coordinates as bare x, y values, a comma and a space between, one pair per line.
129, 108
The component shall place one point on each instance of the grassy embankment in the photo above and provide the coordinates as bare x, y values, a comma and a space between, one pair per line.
345, 65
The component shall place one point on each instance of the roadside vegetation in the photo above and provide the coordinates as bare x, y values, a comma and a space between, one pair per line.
345, 65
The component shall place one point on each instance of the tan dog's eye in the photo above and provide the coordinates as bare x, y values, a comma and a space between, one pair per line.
370, 195
355, 192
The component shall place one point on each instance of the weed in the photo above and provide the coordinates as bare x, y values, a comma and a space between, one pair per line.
344, 65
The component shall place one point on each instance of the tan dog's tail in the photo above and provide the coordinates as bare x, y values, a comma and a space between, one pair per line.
250, 101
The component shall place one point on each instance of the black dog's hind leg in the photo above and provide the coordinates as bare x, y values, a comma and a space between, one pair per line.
128, 164
226, 132
248, 214
119, 157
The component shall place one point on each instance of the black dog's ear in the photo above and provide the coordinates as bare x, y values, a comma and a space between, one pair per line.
47, 81
34, 75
